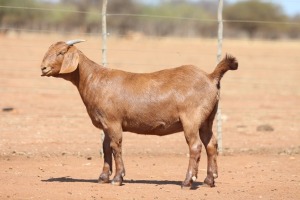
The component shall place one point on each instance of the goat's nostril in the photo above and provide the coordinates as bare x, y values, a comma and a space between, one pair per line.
43, 68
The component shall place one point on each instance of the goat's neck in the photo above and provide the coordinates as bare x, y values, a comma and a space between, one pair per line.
86, 68
87, 73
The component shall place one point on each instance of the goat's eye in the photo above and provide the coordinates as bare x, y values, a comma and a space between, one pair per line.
60, 53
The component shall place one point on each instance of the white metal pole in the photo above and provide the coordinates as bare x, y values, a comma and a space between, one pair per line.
104, 33
104, 55
219, 54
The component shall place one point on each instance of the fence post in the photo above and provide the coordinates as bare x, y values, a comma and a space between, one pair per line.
104, 58
219, 54
104, 33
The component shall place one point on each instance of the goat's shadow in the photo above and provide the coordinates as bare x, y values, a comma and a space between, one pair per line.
150, 182
69, 179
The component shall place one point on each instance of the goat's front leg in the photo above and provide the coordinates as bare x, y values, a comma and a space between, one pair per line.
107, 166
115, 134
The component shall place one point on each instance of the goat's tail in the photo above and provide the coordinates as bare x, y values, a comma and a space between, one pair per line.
228, 63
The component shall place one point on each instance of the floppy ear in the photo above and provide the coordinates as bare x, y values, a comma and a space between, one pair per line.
70, 62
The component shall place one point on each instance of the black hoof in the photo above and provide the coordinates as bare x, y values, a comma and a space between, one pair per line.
209, 182
103, 178
186, 184
117, 181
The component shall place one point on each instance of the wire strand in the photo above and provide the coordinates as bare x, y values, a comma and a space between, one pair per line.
153, 16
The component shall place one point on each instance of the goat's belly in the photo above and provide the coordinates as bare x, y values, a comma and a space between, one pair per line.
159, 128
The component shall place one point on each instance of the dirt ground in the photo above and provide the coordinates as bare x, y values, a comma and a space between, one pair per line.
49, 149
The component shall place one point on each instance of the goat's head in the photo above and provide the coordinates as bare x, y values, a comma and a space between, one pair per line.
61, 58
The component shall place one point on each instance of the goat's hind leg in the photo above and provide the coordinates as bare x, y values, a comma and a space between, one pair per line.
107, 166
211, 147
115, 134
212, 153
193, 140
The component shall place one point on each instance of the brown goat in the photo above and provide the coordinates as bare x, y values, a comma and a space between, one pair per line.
160, 103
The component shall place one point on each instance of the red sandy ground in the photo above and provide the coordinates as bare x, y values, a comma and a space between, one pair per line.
50, 150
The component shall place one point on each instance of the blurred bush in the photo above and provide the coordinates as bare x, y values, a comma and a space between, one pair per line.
178, 17
255, 12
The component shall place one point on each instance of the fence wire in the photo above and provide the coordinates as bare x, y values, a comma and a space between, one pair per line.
150, 16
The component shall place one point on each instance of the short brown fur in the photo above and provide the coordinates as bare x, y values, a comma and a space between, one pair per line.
159, 103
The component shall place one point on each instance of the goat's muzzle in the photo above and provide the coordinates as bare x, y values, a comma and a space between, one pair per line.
45, 71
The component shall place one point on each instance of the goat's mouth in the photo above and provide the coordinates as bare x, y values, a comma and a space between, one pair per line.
46, 71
